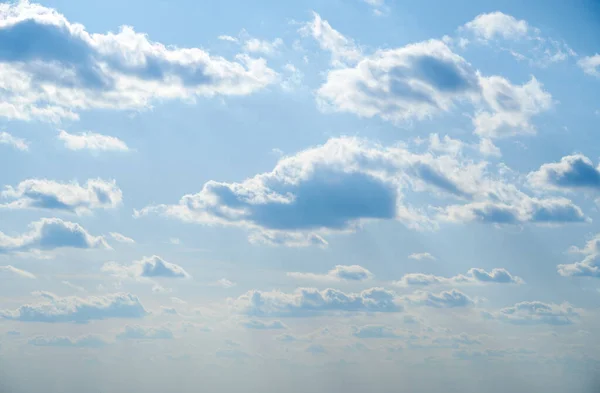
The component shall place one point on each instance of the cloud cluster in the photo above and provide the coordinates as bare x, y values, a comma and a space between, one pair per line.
137, 332
589, 266
71, 197
56, 309
92, 141
89, 341
50, 234
61, 68
536, 313
338, 273
473, 276
147, 267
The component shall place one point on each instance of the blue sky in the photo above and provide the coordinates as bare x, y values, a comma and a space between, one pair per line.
321, 195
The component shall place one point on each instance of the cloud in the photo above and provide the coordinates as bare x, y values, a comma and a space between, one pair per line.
316, 349
224, 283
17, 143
421, 256
473, 276
375, 331
147, 267
69, 69
145, 333
589, 266
254, 45
497, 25
311, 301
590, 65
444, 299
56, 309
338, 273
73, 286
572, 172
227, 38
537, 313
89, 341
18, 272
343, 50
50, 234
121, 238
92, 141
70, 197
262, 325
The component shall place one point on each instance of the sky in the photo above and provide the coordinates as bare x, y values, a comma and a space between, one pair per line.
325, 196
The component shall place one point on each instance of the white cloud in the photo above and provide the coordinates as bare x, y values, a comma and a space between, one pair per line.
590, 65
17, 143
225, 283
535, 313
72, 70
497, 25
571, 173
421, 256
311, 301
254, 45
338, 273
49, 234
70, 197
589, 266
121, 238
73, 286
137, 332
263, 325
473, 276
444, 299
89, 341
227, 38
92, 141
147, 267
375, 331
17, 272
56, 309
487, 148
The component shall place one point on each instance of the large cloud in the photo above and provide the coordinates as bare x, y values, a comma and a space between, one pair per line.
49, 234
89, 341
535, 313
51, 68
572, 172
338, 273
473, 276
70, 197
589, 266
147, 267
56, 309
311, 301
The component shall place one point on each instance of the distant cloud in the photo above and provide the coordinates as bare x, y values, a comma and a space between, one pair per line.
263, 325
590, 65
536, 313
572, 172
18, 272
56, 309
145, 333
473, 276
496, 25
224, 283
444, 299
92, 141
147, 267
121, 238
17, 143
254, 45
89, 341
421, 256
227, 38
316, 349
589, 266
339, 272
73, 286
310, 302
375, 331
71, 197
50, 234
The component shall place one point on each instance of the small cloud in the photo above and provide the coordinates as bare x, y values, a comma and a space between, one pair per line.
422, 256
17, 143
145, 333
175, 241
338, 273
262, 325
228, 38
92, 141
18, 272
224, 283
121, 238
73, 286
147, 267
89, 341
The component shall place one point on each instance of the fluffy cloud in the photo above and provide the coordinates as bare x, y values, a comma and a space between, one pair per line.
145, 333
444, 299
311, 301
497, 25
56, 309
92, 141
375, 331
421, 256
473, 276
589, 266
340, 272
69, 69
17, 143
572, 172
535, 313
89, 341
70, 197
263, 325
590, 64
121, 238
17, 272
254, 45
49, 234
147, 267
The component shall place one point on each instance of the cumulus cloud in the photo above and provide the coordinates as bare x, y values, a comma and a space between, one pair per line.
572, 172
473, 276
421, 256
375, 331
137, 332
264, 325
121, 238
89, 341
56, 309
311, 301
536, 313
444, 299
338, 273
17, 143
589, 266
147, 267
497, 25
590, 65
92, 141
255, 45
18, 272
71, 197
49, 234
70, 69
